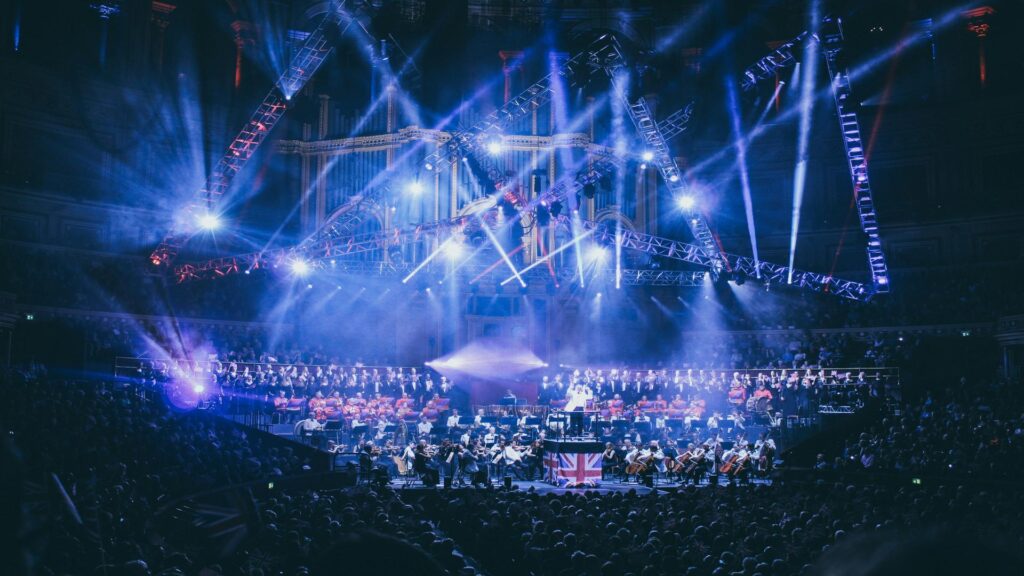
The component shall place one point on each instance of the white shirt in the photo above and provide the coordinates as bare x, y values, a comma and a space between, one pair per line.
453, 421
424, 427
512, 455
310, 425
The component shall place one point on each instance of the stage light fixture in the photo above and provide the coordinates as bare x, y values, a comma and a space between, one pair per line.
556, 208
414, 188
454, 250
596, 254
209, 222
543, 216
647, 156
739, 278
643, 165
589, 190
673, 178
199, 388
495, 146
685, 202
300, 267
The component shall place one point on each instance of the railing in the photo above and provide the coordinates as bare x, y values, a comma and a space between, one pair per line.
127, 367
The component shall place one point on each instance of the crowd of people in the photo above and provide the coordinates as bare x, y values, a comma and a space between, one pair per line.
964, 429
124, 451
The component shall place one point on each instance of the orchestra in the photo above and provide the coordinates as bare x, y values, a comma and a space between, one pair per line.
654, 426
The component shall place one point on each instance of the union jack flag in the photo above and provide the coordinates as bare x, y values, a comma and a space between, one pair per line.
577, 468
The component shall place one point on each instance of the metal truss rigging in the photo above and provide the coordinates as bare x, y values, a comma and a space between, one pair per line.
331, 248
765, 68
345, 220
302, 67
855, 154
831, 39
463, 142
487, 275
657, 144
745, 265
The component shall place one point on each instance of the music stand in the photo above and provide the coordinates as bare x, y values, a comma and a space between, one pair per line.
559, 422
644, 428
356, 431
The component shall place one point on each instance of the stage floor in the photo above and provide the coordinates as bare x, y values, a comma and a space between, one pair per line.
546, 487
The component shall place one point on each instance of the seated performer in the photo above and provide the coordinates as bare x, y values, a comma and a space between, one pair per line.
470, 463
424, 466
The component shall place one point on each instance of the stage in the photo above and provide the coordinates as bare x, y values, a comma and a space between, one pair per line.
542, 487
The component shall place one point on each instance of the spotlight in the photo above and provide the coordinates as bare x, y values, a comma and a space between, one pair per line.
300, 267
596, 254
414, 188
454, 250
199, 388
495, 147
673, 178
428, 166
524, 290
739, 278
309, 286
643, 165
685, 202
647, 156
209, 222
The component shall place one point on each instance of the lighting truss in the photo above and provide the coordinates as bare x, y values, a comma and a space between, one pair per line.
765, 68
494, 124
486, 273
345, 220
313, 252
772, 274
657, 143
855, 157
832, 40
302, 67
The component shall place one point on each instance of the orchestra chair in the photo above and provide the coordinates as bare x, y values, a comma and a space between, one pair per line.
466, 421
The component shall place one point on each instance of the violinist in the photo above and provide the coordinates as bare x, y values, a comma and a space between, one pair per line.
422, 465
368, 467
470, 462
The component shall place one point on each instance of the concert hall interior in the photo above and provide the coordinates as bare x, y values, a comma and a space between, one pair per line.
503, 287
